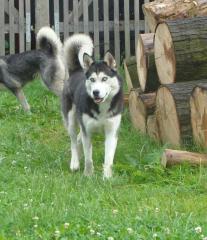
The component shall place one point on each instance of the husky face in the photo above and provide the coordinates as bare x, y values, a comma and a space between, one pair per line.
101, 81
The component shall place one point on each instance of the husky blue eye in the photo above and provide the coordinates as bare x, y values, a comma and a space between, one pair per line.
104, 79
92, 79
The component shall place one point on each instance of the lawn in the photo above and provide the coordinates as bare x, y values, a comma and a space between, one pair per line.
41, 199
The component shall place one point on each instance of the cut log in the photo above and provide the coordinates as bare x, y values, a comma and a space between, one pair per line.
173, 112
152, 128
181, 50
162, 10
198, 106
146, 68
140, 107
172, 157
130, 68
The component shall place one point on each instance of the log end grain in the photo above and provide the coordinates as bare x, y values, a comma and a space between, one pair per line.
164, 54
198, 106
167, 118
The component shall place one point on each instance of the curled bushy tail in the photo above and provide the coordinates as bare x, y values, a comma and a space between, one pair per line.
74, 49
48, 40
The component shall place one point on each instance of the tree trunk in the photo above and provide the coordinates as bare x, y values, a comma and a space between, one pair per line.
146, 68
198, 106
172, 157
162, 10
173, 112
181, 50
140, 106
152, 128
130, 68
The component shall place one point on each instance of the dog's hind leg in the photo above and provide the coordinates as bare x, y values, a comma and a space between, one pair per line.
87, 149
111, 131
71, 125
79, 143
21, 97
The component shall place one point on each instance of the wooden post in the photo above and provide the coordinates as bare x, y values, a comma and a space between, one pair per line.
11, 27
66, 19
2, 34
116, 32
106, 25
42, 17
21, 27
96, 29
28, 24
56, 17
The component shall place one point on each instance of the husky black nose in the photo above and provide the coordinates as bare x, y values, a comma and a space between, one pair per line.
96, 93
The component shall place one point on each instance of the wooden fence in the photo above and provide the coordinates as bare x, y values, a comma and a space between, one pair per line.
113, 24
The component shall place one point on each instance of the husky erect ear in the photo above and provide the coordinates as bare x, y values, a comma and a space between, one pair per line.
110, 61
87, 61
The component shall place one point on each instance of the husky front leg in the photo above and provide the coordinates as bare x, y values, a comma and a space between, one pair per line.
87, 149
74, 163
111, 131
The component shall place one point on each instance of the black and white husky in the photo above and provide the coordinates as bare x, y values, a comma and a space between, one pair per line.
93, 98
18, 69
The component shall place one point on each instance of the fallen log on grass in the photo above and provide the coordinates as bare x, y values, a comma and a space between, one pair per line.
173, 157
140, 107
181, 50
146, 68
198, 106
162, 10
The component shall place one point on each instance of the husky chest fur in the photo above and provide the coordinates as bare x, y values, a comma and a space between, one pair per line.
93, 98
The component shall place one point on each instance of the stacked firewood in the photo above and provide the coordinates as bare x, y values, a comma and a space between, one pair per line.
168, 96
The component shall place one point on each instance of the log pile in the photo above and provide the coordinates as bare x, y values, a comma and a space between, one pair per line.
162, 10
171, 65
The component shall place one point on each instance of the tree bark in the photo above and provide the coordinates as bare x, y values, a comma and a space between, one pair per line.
173, 112
140, 107
181, 50
146, 68
130, 68
162, 10
198, 107
173, 157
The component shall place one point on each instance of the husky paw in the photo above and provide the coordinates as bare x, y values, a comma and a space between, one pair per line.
107, 172
74, 165
88, 171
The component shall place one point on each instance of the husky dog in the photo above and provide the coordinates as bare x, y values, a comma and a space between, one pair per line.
93, 98
18, 69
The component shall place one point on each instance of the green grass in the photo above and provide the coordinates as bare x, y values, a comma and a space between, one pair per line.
38, 193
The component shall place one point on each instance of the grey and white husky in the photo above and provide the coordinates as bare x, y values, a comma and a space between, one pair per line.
92, 99
16, 70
